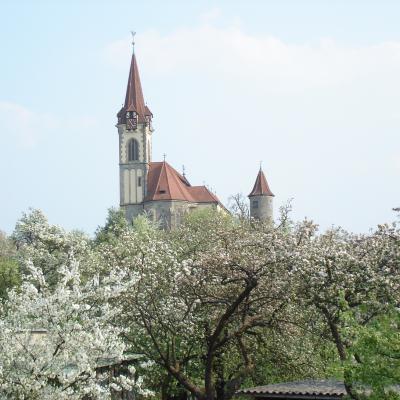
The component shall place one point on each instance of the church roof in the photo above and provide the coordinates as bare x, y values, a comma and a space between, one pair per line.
134, 100
261, 187
165, 183
202, 194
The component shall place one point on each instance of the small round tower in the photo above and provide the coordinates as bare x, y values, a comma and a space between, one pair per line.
261, 199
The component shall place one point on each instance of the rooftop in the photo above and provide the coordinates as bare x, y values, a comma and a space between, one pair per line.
261, 187
308, 389
165, 183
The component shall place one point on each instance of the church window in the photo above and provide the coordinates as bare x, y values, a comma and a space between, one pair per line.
139, 181
255, 203
133, 150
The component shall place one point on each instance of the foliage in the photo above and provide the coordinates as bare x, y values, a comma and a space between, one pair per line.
7, 247
210, 298
60, 359
50, 247
239, 206
376, 347
9, 276
115, 225
342, 273
9, 268
218, 303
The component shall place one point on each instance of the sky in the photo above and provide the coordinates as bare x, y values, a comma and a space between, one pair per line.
309, 87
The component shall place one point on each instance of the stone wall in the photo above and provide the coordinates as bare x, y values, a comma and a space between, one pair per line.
261, 207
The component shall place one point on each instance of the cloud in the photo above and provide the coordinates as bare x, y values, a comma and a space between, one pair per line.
27, 128
232, 53
322, 115
24, 125
210, 16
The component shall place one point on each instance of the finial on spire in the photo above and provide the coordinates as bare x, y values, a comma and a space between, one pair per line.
183, 170
164, 156
260, 165
133, 40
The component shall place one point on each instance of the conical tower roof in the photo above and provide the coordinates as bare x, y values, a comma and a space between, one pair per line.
261, 187
134, 100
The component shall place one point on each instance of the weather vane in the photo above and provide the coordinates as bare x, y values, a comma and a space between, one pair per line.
133, 38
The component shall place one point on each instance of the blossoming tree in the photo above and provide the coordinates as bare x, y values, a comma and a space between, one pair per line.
350, 282
55, 337
206, 298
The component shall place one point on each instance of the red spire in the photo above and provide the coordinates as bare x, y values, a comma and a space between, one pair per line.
134, 100
261, 187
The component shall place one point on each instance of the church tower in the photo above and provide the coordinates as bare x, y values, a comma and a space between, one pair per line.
261, 199
135, 143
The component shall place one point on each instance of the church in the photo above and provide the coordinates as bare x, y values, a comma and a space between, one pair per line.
155, 187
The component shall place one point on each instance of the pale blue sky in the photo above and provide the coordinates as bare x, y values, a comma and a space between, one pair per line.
312, 88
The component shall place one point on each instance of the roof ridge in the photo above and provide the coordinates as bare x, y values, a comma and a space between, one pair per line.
165, 164
159, 178
186, 195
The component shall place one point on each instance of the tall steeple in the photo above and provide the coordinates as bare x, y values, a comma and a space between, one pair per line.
134, 105
135, 137
261, 199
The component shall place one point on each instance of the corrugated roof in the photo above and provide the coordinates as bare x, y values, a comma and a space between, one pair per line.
261, 187
332, 388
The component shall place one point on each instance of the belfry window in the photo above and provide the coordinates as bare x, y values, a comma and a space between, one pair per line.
133, 150
131, 120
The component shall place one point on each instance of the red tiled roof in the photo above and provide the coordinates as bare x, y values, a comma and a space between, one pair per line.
134, 100
165, 183
203, 195
261, 187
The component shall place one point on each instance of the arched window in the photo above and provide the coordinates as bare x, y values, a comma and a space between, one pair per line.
133, 150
